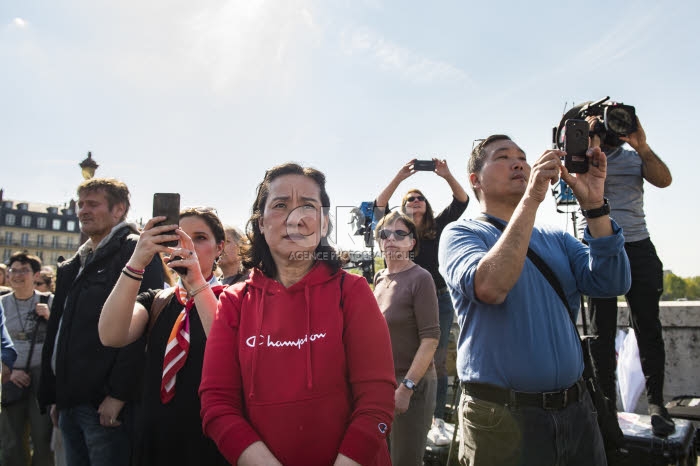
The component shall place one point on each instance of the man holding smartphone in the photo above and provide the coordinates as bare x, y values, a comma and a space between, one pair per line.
519, 356
89, 387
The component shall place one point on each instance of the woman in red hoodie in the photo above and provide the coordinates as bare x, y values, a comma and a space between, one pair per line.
298, 367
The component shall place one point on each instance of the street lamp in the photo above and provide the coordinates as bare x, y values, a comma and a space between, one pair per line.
88, 167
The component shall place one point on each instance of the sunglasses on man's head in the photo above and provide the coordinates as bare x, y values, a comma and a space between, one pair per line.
413, 198
398, 234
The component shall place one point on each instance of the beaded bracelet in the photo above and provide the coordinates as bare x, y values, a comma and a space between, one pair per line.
135, 271
198, 290
130, 275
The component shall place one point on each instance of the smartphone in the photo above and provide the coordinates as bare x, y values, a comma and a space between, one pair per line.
424, 165
576, 145
168, 205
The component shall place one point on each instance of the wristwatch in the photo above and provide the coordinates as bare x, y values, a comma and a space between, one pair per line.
599, 212
410, 384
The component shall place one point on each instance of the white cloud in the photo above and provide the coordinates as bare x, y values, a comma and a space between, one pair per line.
19, 22
393, 57
250, 41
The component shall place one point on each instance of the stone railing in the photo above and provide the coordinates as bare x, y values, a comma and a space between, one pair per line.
681, 331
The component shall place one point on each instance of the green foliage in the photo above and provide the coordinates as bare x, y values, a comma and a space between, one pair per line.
676, 287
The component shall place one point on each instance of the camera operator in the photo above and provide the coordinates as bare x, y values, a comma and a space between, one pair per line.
624, 188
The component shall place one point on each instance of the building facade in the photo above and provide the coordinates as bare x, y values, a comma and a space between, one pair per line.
40, 229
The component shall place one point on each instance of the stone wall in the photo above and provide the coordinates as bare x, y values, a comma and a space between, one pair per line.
681, 331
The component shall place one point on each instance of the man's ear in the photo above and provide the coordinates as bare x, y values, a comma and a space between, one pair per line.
474, 181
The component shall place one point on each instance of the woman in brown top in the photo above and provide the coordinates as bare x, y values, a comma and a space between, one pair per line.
406, 296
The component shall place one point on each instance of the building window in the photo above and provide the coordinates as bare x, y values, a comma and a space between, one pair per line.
69, 243
6, 255
56, 224
54, 241
9, 219
24, 239
70, 225
40, 240
26, 221
41, 222
8, 237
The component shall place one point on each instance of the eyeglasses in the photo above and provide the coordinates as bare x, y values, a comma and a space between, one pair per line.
41, 284
398, 234
19, 271
413, 198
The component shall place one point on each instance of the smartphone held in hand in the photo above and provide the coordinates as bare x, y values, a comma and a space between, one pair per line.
167, 205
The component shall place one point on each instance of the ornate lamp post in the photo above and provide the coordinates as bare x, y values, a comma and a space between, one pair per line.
88, 167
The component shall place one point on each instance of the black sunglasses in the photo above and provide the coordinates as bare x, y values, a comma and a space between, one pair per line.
398, 234
413, 198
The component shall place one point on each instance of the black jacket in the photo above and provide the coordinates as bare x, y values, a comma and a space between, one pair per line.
87, 371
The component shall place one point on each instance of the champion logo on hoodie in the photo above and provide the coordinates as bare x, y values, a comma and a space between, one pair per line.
269, 342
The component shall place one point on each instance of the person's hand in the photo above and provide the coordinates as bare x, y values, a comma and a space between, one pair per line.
42, 310
594, 138
441, 168
589, 187
53, 414
402, 398
544, 172
20, 378
406, 170
188, 260
109, 411
638, 139
149, 243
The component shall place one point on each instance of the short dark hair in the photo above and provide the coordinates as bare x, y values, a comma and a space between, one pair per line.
211, 219
256, 253
478, 155
27, 259
115, 191
394, 216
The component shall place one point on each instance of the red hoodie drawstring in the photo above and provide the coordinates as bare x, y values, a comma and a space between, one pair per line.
261, 310
309, 377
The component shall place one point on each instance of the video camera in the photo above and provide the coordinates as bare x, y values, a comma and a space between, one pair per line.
615, 119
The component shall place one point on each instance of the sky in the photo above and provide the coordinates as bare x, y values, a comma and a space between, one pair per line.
202, 97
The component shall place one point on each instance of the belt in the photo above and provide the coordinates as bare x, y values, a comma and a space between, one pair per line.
442, 290
545, 400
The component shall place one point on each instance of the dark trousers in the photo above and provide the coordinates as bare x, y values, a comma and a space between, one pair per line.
498, 435
446, 315
643, 302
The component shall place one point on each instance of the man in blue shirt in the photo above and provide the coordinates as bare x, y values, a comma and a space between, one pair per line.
519, 357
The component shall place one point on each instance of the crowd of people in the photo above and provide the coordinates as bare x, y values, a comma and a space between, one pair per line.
256, 347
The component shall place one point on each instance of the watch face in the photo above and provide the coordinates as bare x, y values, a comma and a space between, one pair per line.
409, 384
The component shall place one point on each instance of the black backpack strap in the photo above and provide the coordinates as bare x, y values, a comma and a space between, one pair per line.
160, 301
541, 266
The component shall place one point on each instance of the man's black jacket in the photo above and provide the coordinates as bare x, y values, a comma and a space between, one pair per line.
87, 371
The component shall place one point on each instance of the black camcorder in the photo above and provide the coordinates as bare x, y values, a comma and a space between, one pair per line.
615, 119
